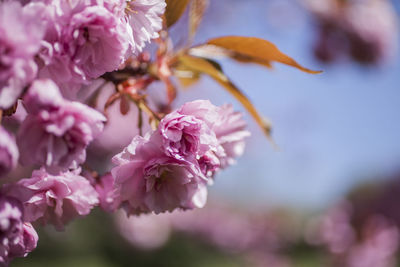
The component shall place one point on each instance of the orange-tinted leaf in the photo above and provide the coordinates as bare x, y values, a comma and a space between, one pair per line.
174, 10
213, 69
196, 13
255, 50
214, 52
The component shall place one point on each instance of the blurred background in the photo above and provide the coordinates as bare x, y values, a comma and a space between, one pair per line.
327, 197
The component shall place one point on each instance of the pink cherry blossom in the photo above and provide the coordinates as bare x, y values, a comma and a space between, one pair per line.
209, 163
8, 152
56, 132
230, 129
84, 39
54, 199
148, 180
226, 125
20, 36
207, 113
168, 169
11, 227
107, 192
201, 109
185, 136
144, 22
117, 7
27, 242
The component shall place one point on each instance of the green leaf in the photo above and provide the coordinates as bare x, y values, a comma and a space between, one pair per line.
214, 70
174, 10
251, 50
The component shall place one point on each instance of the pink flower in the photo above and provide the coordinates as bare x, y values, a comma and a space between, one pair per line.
226, 125
144, 21
55, 199
8, 152
170, 168
56, 132
185, 137
11, 226
209, 163
42, 95
148, 180
207, 113
20, 36
84, 40
202, 110
27, 242
117, 7
230, 129
107, 193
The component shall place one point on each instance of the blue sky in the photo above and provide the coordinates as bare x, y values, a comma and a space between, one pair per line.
334, 129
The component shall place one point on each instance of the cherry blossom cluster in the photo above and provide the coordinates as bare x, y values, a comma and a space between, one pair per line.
171, 167
51, 51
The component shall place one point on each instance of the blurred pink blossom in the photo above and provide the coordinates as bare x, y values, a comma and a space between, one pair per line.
333, 229
104, 186
27, 242
20, 36
230, 129
365, 31
11, 226
56, 132
379, 245
55, 199
229, 230
147, 231
8, 152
